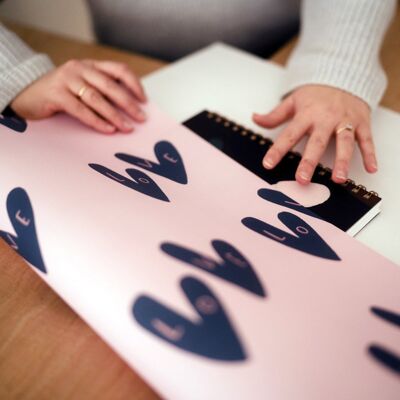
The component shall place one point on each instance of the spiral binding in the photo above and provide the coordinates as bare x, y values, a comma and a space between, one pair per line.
358, 190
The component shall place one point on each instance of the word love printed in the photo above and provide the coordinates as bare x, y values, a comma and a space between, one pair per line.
234, 267
25, 242
12, 121
276, 197
170, 165
305, 238
212, 337
383, 355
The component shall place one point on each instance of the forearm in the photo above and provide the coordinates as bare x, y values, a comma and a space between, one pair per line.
19, 66
339, 46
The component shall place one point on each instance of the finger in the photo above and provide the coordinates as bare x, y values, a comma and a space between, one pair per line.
285, 141
313, 152
277, 116
93, 99
71, 105
114, 91
344, 153
366, 144
123, 73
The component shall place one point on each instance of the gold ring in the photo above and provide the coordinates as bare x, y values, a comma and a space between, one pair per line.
82, 91
347, 127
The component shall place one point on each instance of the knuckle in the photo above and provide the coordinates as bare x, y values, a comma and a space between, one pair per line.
333, 111
290, 137
308, 162
367, 141
79, 108
72, 64
276, 152
110, 85
318, 141
342, 162
370, 154
114, 115
346, 136
130, 104
93, 96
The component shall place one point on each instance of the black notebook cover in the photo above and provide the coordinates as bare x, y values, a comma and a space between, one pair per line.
349, 207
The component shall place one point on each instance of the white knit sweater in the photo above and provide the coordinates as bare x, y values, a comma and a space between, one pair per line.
339, 46
19, 66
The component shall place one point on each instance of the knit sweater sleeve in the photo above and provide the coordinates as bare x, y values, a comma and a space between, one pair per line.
19, 66
339, 46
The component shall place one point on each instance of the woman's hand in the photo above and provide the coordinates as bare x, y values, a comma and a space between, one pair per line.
92, 91
320, 112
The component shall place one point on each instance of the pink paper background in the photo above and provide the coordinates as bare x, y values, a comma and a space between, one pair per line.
100, 241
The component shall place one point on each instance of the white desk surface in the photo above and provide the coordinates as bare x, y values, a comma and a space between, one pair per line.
234, 83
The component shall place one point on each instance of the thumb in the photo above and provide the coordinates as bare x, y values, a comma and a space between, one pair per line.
277, 116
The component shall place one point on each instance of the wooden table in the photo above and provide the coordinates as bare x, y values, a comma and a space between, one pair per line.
46, 350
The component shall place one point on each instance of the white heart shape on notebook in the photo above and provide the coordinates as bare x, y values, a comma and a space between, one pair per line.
307, 195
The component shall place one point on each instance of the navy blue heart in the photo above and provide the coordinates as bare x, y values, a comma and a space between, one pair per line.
234, 267
276, 197
170, 162
25, 242
213, 336
305, 238
11, 120
140, 181
381, 354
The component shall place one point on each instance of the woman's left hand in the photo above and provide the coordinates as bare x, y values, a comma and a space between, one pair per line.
320, 111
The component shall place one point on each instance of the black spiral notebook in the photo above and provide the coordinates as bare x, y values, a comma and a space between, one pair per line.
349, 206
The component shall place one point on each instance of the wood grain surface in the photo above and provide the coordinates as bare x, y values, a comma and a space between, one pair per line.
46, 350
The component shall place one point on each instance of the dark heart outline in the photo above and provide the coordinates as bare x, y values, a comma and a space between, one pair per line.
13, 121
155, 193
213, 337
25, 242
312, 244
243, 276
162, 168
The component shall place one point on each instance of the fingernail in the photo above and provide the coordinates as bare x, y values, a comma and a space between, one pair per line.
304, 175
141, 116
341, 174
268, 162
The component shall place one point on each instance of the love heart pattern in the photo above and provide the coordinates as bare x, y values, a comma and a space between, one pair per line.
381, 354
305, 238
25, 242
276, 197
170, 164
12, 121
212, 337
234, 268
140, 181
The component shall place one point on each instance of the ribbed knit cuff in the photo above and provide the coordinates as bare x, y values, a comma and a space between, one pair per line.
15, 80
369, 84
339, 47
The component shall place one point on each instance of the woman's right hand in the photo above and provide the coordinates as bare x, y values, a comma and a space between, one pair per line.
92, 91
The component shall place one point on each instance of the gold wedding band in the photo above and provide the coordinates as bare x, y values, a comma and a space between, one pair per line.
82, 91
347, 127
